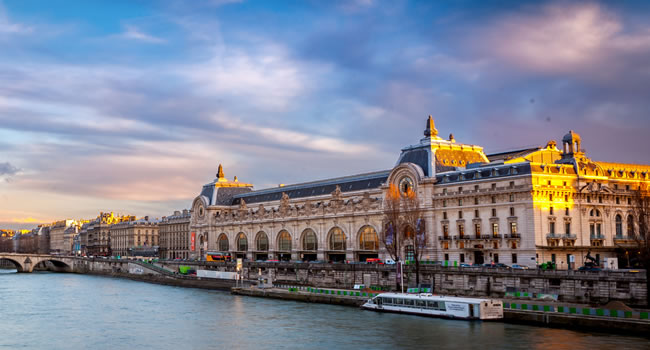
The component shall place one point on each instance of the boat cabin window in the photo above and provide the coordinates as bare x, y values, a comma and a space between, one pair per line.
415, 303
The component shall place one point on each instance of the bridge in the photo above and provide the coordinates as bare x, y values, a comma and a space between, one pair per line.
27, 262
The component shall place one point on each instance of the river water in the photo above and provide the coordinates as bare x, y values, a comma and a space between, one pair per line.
69, 311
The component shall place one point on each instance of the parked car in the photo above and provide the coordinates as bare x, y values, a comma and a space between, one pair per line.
465, 265
519, 267
389, 262
373, 261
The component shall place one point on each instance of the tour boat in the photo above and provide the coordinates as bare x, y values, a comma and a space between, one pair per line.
437, 306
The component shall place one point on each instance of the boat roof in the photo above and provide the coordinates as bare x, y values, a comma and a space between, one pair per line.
429, 296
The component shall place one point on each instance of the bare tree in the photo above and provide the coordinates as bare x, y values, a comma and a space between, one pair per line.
390, 236
403, 226
640, 252
414, 228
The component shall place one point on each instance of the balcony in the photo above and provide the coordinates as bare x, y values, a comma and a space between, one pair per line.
513, 235
444, 238
621, 238
554, 236
569, 236
597, 237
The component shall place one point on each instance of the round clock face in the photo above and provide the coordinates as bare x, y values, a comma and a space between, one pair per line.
405, 185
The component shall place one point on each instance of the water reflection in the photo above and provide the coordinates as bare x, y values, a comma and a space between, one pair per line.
69, 311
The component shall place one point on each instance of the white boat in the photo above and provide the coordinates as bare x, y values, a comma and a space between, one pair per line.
437, 306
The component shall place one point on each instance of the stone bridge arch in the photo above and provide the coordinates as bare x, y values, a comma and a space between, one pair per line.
19, 265
27, 262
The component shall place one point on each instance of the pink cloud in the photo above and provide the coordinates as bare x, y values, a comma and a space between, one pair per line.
561, 38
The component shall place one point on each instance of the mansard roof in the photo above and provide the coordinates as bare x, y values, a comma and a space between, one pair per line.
351, 183
490, 171
511, 154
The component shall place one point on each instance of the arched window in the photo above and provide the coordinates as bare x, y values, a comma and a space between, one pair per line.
368, 239
337, 239
630, 225
242, 242
619, 225
409, 232
309, 240
262, 241
223, 243
284, 241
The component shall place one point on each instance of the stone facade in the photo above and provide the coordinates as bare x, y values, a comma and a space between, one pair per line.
174, 235
129, 235
57, 236
95, 237
523, 207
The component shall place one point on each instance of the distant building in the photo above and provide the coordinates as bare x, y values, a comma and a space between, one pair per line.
174, 231
43, 234
522, 207
97, 236
6, 240
134, 235
61, 234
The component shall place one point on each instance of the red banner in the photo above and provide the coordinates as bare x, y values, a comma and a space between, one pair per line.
193, 241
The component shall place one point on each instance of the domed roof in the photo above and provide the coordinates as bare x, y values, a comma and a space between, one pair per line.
571, 136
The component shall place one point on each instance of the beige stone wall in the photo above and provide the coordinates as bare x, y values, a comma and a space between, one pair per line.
174, 238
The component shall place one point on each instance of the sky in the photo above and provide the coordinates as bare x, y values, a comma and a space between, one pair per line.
130, 106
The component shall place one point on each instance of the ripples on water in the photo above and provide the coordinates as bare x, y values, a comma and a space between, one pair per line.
70, 311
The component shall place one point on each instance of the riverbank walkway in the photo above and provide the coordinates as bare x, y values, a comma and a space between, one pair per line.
536, 312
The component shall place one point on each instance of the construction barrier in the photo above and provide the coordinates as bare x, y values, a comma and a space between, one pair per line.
531, 295
586, 311
337, 292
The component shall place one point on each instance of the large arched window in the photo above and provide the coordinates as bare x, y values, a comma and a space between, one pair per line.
223, 243
409, 232
619, 225
337, 239
262, 241
630, 225
309, 240
368, 239
242, 242
284, 241
594, 212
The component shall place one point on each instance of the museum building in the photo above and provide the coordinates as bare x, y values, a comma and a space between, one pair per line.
521, 207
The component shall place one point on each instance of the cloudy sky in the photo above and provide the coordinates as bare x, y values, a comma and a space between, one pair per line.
129, 106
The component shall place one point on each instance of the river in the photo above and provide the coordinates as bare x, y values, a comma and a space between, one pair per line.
70, 311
